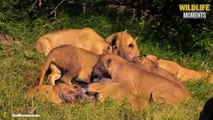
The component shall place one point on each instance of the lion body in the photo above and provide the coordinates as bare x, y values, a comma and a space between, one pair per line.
182, 73
70, 59
142, 83
54, 94
85, 38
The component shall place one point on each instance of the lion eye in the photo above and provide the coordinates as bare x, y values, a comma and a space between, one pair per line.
109, 61
75, 87
130, 45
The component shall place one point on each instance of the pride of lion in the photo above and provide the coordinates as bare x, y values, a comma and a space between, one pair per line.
83, 65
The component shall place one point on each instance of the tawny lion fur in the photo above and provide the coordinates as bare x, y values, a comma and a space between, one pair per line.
124, 45
85, 38
121, 45
146, 64
69, 59
183, 74
142, 83
112, 90
55, 94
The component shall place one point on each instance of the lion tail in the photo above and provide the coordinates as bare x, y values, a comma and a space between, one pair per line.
44, 68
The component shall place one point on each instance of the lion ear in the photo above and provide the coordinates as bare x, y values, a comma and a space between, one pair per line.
112, 39
109, 62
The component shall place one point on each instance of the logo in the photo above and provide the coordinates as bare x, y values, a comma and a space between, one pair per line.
194, 11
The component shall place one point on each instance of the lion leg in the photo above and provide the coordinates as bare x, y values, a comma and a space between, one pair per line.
84, 76
139, 103
162, 96
69, 75
55, 74
158, 96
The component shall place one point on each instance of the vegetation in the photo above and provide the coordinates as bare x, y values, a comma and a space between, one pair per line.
178, 40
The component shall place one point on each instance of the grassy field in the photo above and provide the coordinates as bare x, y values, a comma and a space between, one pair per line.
20, 67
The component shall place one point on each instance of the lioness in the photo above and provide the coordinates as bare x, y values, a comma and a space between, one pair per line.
55, 94
142, 83
69, 59
85, 38
183, 74
124, 45
109, 89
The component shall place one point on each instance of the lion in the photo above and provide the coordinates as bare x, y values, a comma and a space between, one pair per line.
141, 83
69, 59
146, 64
183, 74
57, 94
108, 89
85, 38
123, 45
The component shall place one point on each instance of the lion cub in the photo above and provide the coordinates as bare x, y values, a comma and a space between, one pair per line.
141, 83
148, 65
55, 94
183, 74
76, 63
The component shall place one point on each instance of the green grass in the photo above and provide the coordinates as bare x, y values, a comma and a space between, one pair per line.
20, 67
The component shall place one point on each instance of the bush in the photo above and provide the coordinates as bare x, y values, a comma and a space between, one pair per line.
164, 24
156, 21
